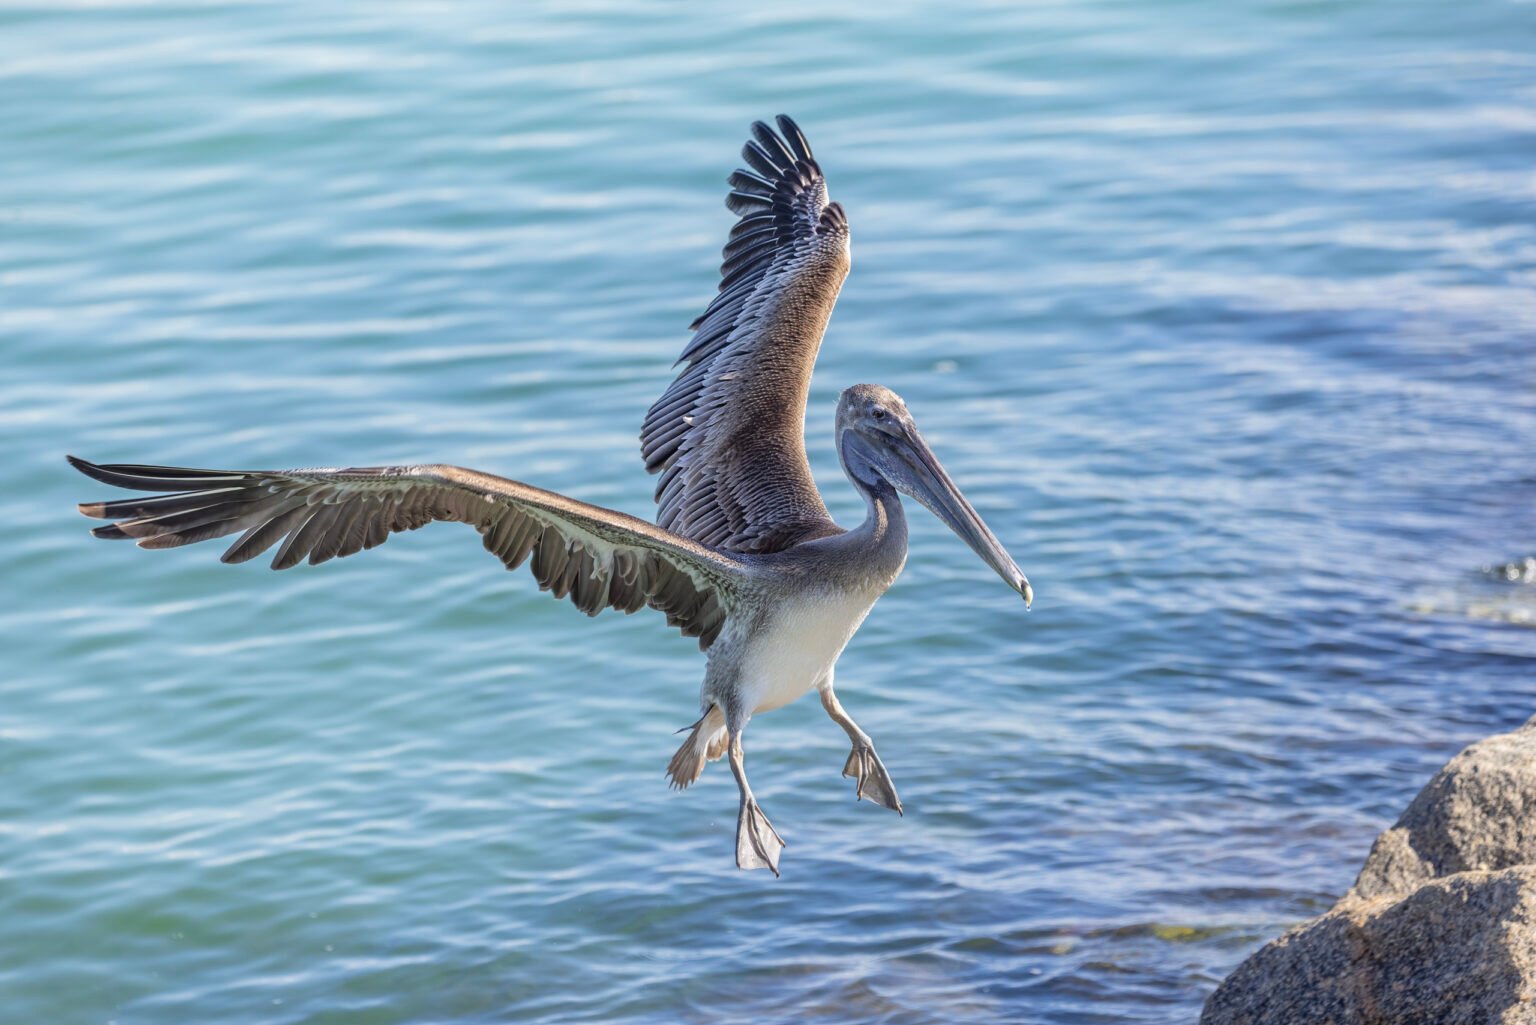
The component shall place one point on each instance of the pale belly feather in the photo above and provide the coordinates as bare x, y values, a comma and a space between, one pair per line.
801, 643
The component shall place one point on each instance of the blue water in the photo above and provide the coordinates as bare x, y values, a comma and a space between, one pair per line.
1223, 315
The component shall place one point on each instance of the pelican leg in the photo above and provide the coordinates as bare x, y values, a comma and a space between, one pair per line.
863, 765
757, 843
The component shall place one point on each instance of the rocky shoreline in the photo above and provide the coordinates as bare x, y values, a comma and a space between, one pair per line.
1440, 926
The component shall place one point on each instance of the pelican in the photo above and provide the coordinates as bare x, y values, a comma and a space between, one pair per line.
744, 555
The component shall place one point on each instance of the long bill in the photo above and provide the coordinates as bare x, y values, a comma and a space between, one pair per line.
933, 488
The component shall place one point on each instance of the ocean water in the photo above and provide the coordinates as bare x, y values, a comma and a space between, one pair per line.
1223, 315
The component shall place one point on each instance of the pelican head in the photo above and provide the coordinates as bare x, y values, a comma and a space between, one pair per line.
880, 447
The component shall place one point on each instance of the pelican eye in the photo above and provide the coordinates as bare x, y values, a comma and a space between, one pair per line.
878, 412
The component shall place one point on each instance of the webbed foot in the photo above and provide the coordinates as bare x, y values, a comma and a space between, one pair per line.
705, 743
757, 843
865, 767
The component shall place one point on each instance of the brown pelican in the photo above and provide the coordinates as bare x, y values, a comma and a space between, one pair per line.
744, 556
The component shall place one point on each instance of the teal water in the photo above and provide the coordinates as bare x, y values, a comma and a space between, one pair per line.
1222, 314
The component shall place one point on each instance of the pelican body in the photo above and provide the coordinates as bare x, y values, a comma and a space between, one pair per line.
744, 555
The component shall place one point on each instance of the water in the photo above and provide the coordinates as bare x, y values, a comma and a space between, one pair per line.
1222, 314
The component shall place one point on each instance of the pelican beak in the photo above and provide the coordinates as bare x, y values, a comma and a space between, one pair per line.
931, 486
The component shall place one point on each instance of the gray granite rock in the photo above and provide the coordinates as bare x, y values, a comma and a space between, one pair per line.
1477, 813
1440, 927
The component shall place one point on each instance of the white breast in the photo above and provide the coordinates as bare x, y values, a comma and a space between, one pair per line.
800, 644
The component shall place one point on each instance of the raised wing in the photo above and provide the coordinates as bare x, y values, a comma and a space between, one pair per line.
728, 437
598, 558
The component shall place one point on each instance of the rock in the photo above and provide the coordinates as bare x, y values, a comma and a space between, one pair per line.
1477, 813
1440, 927
1456, 951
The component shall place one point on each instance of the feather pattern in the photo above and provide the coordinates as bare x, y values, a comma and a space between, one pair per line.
598, 558
728, 436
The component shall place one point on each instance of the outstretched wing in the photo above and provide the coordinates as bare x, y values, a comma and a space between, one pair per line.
728, 437
598, 558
